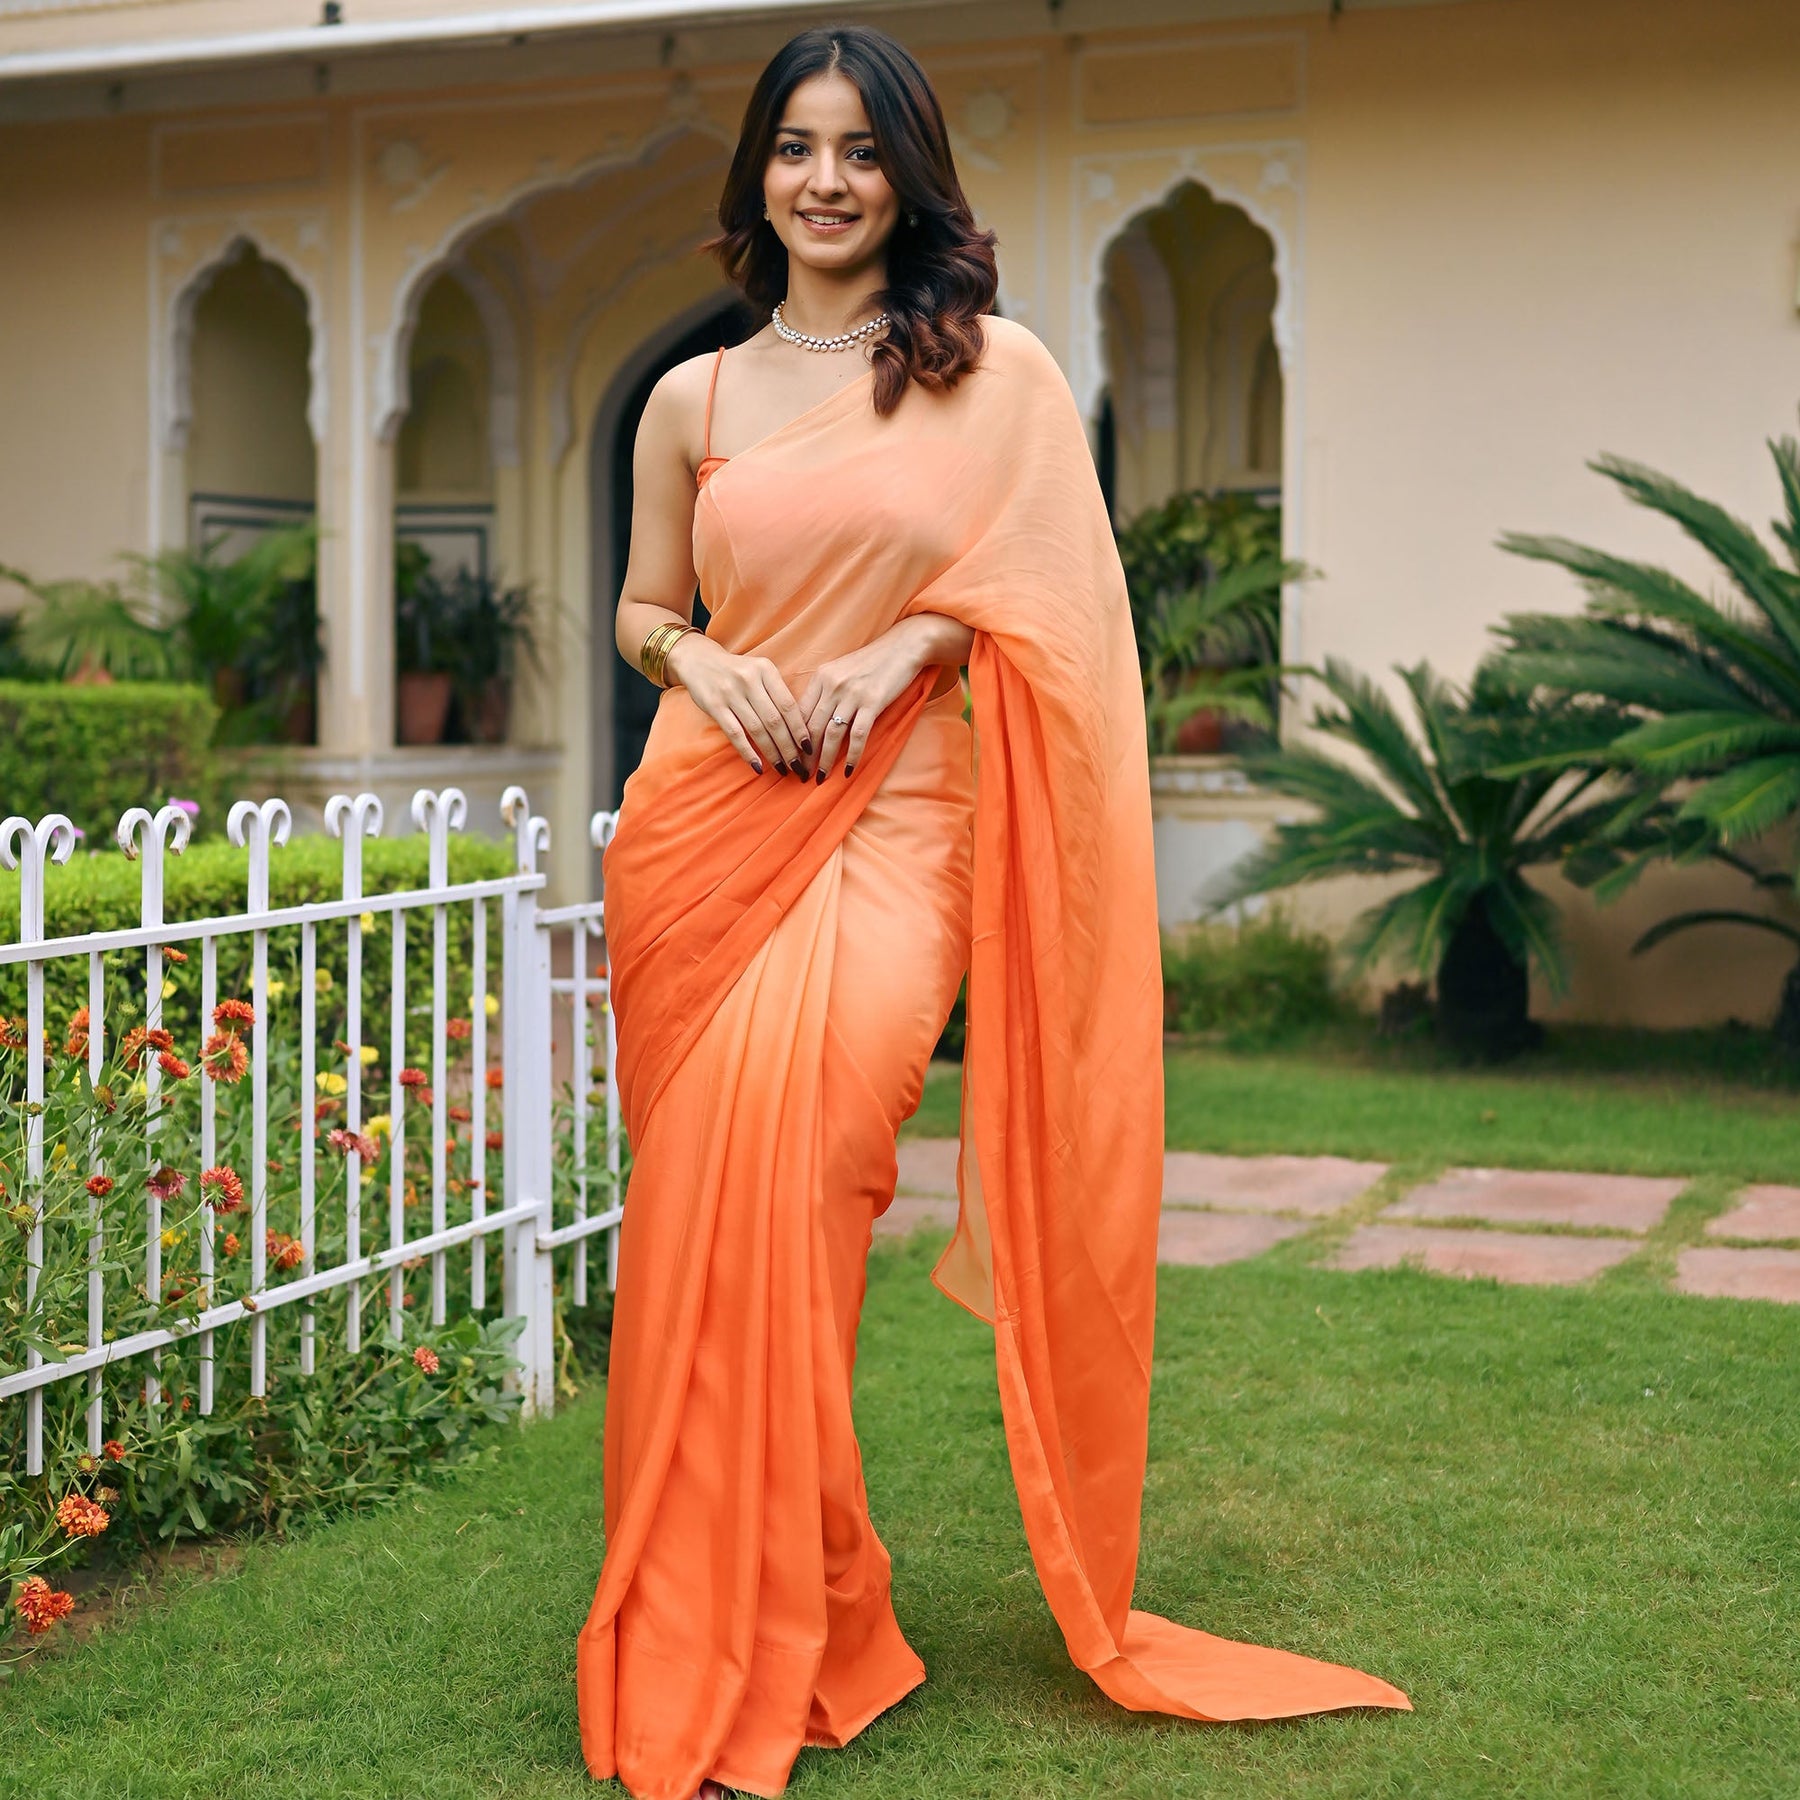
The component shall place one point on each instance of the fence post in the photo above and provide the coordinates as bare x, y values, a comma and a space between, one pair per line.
526, 1027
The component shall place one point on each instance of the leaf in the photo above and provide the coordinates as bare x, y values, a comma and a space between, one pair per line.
1688, 921
1748, 799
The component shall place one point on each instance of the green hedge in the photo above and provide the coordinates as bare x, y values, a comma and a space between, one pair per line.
91, 752
99, 892
1252, 984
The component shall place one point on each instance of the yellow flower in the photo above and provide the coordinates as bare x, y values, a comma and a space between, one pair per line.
491, 1005
366, 921
168, 990
379, 1126
171, 1238
59, 1154
322, 980
137, 1090
369, 1054
368, 1175
331, 1082
276, 989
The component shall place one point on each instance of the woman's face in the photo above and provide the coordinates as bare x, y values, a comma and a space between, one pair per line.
828, 199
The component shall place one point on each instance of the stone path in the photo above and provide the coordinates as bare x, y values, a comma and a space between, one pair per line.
1220, 1209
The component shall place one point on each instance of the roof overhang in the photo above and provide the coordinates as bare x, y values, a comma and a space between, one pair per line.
316, 43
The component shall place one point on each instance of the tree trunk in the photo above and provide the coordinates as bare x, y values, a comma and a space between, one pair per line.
1483, 992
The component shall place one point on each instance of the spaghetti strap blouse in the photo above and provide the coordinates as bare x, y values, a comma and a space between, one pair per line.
707, 459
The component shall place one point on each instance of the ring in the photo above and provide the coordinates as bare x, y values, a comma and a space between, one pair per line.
838, 721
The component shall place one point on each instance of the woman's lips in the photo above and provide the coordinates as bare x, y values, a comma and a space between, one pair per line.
830, 230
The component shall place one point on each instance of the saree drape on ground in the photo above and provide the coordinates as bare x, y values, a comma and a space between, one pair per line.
783, 955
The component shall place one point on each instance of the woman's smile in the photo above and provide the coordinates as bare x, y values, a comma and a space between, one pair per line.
827, 223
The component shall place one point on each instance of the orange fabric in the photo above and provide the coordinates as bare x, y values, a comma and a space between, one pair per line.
783, 956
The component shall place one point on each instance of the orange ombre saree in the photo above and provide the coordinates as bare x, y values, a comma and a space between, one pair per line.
783, 956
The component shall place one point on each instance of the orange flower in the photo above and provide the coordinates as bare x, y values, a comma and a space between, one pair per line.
12, 1034
81, 1517
40, 1606
426, 1357
345, 1142
224, 1058
99, 1186
495, 1140
461, 1114
494, 1077
131, 1051
413, 1078
230, 1245
229, 1185
174, 955
284, 1251
234, 1012
113, 1448
457, 1029
77, 1042
172, 1066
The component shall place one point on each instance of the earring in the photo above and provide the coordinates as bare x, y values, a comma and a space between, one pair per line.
912, 218
765, 209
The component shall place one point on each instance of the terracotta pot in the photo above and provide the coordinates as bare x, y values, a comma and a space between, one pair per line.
297, 721
486, 717
1201, 733
422, 705
90, 674
228, 689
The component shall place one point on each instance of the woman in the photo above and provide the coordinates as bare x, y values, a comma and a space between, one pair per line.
884, 483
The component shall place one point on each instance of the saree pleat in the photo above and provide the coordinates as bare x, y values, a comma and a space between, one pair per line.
783, 957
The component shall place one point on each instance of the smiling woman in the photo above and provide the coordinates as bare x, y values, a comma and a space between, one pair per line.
784, 955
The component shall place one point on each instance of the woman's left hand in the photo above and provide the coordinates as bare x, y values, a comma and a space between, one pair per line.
859, 687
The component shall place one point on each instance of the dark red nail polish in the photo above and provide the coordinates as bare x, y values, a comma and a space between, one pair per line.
820, 776
756, 764
849, 769
806, 745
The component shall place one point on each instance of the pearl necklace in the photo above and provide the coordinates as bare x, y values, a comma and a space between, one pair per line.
842, 341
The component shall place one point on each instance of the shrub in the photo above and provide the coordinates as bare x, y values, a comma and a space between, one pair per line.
91, 752
1255, 983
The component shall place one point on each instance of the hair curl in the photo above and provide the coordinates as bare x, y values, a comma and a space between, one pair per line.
941, 272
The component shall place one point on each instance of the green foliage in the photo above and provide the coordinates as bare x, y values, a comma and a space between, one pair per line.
92, 752
210, 880
1259, 983
1696, 699
1204, 573
1429, 808
91, 628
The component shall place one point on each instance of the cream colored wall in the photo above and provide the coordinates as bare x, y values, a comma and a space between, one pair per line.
251, 348
1508, 234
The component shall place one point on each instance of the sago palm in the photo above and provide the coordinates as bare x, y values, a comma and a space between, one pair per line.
1425, 808
1679, 690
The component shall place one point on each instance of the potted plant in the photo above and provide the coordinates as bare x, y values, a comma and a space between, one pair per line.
490, 624
423, 639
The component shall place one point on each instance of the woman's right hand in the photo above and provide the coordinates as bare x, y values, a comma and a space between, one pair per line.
746, 698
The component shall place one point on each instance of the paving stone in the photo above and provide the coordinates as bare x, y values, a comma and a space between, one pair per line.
1542, 1197
909, 1213
1314, 1186
1516, 1256
1739, 1274
928, 1166
1764, 1211
1210, 1238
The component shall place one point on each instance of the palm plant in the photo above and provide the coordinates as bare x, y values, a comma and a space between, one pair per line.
1204, 573
90, 629
1427, 808
1678, 690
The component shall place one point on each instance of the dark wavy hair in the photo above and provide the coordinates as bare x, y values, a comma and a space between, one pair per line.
941, 272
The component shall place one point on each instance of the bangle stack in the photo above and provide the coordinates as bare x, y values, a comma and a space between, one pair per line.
653, 659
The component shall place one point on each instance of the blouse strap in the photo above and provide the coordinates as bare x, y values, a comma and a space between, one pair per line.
706, 434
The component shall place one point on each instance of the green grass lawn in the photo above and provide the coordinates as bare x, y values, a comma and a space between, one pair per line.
1687, 1104
1565, 1522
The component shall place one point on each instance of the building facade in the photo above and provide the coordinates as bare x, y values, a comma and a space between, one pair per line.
1402, 267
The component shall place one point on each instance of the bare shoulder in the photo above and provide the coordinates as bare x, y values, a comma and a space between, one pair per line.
675, 406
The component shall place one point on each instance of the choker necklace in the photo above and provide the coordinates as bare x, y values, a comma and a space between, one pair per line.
842, 341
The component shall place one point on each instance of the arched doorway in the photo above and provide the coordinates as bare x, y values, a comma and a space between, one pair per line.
631, 696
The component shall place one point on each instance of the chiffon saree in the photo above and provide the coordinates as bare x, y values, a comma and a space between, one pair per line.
783, 955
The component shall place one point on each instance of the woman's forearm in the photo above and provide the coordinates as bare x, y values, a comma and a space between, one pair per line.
937, 638
634, 622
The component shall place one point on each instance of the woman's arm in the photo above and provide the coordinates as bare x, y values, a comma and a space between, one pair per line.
744, 696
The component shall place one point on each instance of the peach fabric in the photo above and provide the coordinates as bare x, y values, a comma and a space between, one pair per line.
783, 956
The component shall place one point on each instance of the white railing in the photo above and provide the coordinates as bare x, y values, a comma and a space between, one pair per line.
120, 1149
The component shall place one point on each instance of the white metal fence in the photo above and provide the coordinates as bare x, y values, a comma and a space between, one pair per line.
211, 1100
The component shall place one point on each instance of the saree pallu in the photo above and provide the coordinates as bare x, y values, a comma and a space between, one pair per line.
783, 957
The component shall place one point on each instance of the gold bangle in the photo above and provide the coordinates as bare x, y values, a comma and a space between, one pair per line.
650, 655
662, 662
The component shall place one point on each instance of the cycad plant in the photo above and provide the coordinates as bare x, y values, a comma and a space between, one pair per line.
1675, 689
1425, 808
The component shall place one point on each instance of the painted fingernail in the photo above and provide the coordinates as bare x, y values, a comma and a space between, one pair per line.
820, 776
806, 745
849, 769
781, 768
756, 764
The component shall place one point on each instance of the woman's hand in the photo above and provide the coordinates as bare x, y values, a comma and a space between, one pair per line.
860, 686
746, 698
